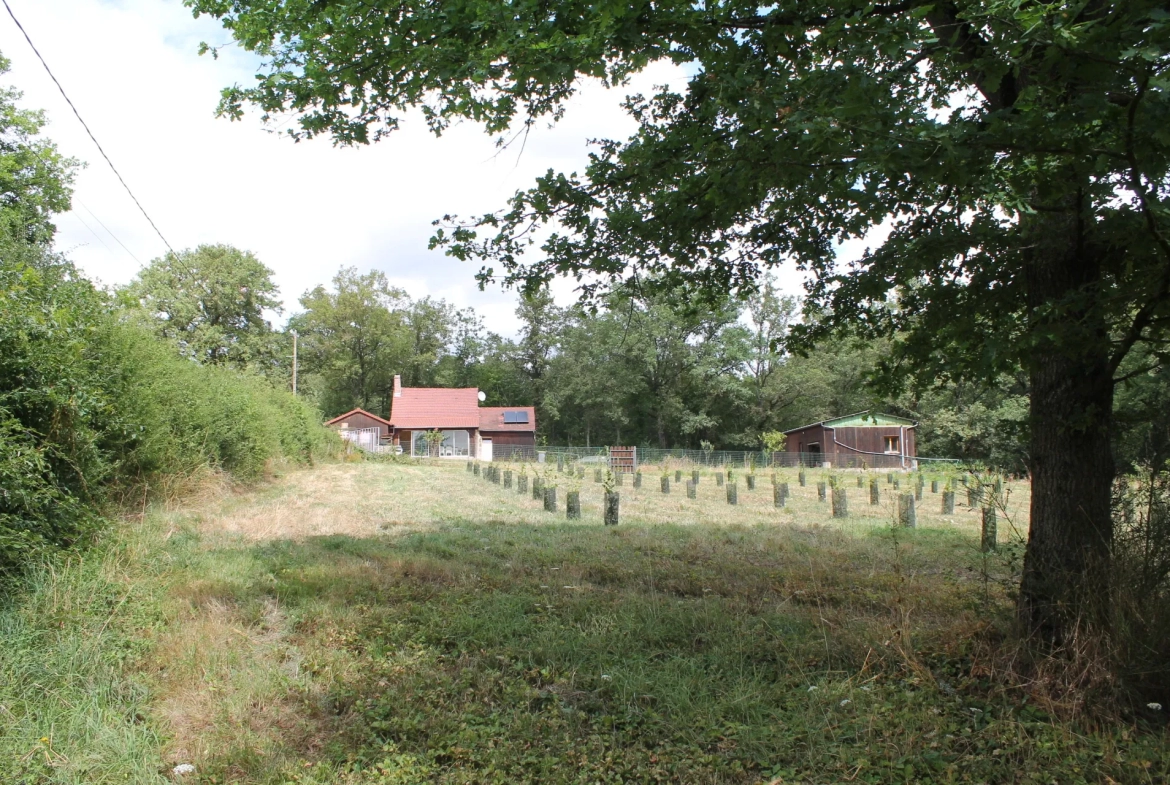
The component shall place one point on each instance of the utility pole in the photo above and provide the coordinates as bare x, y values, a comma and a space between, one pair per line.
294, 334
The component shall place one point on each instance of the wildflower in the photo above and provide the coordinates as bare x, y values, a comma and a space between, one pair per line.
183, 768
606, 677
1154, 706
846, 702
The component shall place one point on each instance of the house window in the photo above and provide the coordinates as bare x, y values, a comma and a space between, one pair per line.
892, 444
455, 444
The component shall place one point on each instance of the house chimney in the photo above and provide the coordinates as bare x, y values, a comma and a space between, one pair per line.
397, 386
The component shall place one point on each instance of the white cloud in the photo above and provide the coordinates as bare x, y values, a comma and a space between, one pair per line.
305, 209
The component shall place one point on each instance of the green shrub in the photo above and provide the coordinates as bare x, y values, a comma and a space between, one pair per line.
94, 407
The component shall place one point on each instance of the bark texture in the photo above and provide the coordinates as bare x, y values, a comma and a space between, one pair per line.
1065, 580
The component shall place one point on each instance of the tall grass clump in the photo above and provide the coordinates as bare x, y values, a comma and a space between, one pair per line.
1142, 586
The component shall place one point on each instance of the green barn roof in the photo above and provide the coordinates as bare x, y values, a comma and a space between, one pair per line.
860, 420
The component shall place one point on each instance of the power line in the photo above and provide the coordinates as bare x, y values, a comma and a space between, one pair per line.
97, 236
111, 233
86, 127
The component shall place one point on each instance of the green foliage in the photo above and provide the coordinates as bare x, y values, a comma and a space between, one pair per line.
91, 407
361, 332
969, 126
94, 407
773, 441
434, 440
184, 416
210, 303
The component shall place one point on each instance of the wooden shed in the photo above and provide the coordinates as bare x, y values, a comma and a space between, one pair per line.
855, 441
360, 419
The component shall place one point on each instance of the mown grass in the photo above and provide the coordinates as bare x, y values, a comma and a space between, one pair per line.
403, 624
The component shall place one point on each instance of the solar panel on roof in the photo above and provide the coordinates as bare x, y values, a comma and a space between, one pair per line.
515, 417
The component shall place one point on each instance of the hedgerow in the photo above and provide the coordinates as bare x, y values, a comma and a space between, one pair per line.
93, 408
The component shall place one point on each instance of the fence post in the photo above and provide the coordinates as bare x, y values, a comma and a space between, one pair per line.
695, 476
537, 489
732, 494
666, 485
573, 505
690, 490
948, 504
751, 482
638, 479
875, 494
821, 491
779, 494
522, 483
719, 479
550, 499
507, 479
802, 478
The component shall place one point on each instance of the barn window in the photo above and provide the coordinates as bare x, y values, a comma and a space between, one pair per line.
455, 444
892, 444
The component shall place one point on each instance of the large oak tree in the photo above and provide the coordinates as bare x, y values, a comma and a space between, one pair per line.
1012, 156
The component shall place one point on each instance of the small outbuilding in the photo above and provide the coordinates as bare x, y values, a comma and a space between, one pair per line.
361, 427
856, 441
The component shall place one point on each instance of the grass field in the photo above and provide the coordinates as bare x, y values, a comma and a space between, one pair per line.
377, 623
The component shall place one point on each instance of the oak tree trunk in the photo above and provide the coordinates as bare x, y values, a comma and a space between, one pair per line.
1066, 564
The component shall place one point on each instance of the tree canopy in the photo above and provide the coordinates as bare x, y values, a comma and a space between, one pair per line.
211, 302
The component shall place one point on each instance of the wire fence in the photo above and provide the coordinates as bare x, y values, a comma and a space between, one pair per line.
758, 458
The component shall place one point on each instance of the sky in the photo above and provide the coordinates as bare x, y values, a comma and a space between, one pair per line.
132, 69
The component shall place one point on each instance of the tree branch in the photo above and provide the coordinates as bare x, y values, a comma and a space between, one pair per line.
1162, 294
969, 48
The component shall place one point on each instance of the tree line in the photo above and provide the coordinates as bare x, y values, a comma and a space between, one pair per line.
647, 367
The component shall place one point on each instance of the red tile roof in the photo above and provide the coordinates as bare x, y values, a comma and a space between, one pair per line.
341, 417
435, 407
491, 418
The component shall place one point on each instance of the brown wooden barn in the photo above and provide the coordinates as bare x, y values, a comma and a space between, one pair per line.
855, 441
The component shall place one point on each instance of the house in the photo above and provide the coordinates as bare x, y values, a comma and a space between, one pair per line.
856, 440
469, 430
